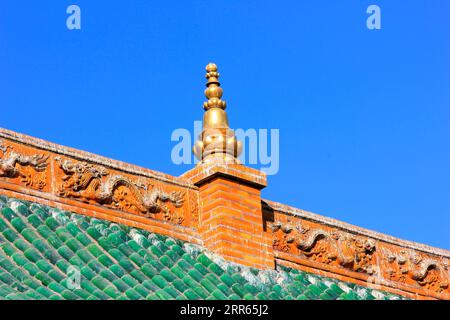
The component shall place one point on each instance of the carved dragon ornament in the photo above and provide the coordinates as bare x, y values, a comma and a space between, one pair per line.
360, 254
29, 169
334, 248
94, 184
413, 267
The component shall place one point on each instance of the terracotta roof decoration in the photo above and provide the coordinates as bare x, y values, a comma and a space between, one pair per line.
216, 206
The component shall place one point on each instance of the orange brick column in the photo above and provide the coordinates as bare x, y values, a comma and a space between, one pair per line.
231, 221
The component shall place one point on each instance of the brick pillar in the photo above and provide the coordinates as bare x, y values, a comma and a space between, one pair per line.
231, 220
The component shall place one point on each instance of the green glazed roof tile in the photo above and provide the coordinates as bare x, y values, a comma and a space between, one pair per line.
222, 287
40, 245
197, 276
155, 263
204, 260
191, 295
172, 254
202, 292
100, 282
150, 285
21, 244
44, 231
121, 285
180, 285
32, 254
183, 265
51, 223
201, 268
42, 248
116, 254
248, 296
161, 294
172, 292
134, 245
138, 275
216, 269
188, 258
153, 296
111, 291
84, 239
168, 275
105, 260
94, 250
208, 285
95, 266
19, 259
165, 260
213, 278
56, 275
160, 281
18, 224
141, 290
10, 235
261, 296
108, 275
189, 281
8, 213
219, 295
31, 268
234, 296
149, 270
6, 278
126, 249
3, 225
69, 295
129, 280
227, 279
117, 270
126, 264
238, 278
137, 259
62, 234
33, 220
177, 249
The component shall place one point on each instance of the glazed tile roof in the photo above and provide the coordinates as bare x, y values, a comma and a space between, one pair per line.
40, 247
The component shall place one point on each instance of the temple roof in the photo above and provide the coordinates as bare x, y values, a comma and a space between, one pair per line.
42, 248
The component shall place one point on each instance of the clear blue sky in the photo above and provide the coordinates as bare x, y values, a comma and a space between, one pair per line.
364, 115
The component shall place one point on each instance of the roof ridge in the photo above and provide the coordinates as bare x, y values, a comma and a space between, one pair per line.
94, 158
308, 215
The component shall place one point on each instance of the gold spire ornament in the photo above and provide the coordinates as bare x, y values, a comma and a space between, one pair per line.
217, 142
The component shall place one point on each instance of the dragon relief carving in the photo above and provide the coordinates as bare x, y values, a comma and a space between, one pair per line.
94, 184
285, 239
335, 248
409, 266
30, 169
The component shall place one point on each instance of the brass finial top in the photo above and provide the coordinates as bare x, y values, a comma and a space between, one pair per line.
211, 67
217, 142
213, 91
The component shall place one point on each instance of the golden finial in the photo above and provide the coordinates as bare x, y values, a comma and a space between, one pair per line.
213, 91
217, 142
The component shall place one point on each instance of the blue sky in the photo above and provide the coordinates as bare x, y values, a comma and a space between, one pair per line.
363, 114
